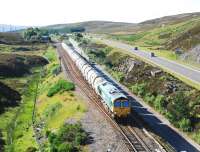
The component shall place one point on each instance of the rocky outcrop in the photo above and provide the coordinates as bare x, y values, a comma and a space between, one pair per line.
192, 55
127, 65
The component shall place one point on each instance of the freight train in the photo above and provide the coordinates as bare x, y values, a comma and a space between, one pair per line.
116, 102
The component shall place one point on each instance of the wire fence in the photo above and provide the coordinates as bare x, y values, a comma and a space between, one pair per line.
12, 125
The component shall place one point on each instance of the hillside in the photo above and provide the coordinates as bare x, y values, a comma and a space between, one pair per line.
179, 32
92, 26
124, 28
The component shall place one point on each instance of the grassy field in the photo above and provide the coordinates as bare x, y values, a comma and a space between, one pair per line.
23, 131
69, 106
16, 122
157, 37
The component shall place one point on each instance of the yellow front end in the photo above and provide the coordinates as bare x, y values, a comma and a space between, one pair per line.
121, 111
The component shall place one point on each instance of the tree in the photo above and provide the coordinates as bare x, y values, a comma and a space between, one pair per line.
179, 108
34, 34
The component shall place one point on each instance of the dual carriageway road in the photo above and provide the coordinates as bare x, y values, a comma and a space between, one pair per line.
171, 66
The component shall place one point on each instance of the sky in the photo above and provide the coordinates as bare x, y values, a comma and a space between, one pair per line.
47, 12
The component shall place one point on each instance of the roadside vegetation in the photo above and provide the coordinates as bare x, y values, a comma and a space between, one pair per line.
177, 101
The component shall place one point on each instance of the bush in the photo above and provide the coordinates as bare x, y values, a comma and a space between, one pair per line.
65, 147
119, 76
184, 124
107, 50
60, 85
149, 98
179, 112
68, 138
159, 102
139, 89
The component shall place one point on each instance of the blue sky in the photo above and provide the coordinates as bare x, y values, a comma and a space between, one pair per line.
46, 12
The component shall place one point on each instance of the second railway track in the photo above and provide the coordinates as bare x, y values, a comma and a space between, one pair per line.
133, 141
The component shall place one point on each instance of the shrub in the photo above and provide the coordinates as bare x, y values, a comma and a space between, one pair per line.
107, 50
51, 137
149, 98
80, 138
119, 76
184, 124
69, 132
60, 85
139, 89
47, 133
178, 109
65, 147
68, 138
159, 102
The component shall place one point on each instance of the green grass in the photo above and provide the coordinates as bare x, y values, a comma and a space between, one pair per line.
23, 131
153, 37
61, 85
37, 49
51, 55
5, 119
72, 107
9, 115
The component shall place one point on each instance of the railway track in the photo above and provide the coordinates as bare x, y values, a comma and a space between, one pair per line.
132, 140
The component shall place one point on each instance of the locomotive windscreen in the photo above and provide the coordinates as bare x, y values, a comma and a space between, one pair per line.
121, 103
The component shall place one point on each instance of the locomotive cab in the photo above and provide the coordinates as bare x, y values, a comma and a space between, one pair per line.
121, 107
117, 103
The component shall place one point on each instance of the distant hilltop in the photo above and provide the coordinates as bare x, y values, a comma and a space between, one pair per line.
124, 28
10, 28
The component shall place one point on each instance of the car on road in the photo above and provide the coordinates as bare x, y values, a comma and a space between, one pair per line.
152, 54
135, 48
